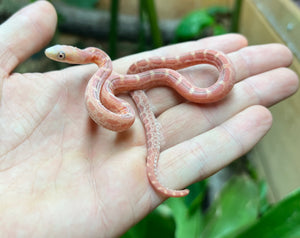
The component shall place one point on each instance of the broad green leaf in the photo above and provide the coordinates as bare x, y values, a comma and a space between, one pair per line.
159, 223
235, 207
187, 211
282, 220
176, 214
187, 225
193, 24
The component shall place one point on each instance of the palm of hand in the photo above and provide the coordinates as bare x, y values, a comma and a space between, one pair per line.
52, 153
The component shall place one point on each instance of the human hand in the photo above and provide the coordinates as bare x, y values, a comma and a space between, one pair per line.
62, 175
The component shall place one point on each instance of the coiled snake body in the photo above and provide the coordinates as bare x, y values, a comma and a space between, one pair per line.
116, 114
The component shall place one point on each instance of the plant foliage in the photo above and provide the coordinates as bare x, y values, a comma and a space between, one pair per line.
195, 23
235, 213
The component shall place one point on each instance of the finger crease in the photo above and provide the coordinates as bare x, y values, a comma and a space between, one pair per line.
253, 90
241, 149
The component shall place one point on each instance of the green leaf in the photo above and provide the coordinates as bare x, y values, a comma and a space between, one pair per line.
187, 211
187, 225
219, 30
193, 24
196, 196
180, 215
283, 220
159, 223
264, 204
236, 206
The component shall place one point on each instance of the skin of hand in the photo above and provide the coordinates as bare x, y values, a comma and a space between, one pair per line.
62, 175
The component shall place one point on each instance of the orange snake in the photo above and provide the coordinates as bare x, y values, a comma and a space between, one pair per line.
116, 114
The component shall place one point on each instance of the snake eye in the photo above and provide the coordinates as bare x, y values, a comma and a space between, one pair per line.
61, 55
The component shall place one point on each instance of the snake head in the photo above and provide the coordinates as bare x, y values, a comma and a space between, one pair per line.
66, 54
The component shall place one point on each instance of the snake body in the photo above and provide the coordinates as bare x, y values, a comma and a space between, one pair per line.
116, 114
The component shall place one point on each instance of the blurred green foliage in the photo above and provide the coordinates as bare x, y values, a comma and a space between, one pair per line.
282, 220
176, 217
235, 213
159, 223
147, 13
236, 206
195, 23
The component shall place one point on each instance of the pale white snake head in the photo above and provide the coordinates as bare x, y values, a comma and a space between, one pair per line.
67, 54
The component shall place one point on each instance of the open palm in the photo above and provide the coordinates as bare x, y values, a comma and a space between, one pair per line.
61, 174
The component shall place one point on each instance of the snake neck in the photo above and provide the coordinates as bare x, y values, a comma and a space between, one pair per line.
98, 57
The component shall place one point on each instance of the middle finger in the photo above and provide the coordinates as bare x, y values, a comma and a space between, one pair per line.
266, 88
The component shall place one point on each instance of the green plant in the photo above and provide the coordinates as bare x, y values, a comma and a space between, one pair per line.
146, 11
196, 23
235, 213
177, 217
150, 10
282, 220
